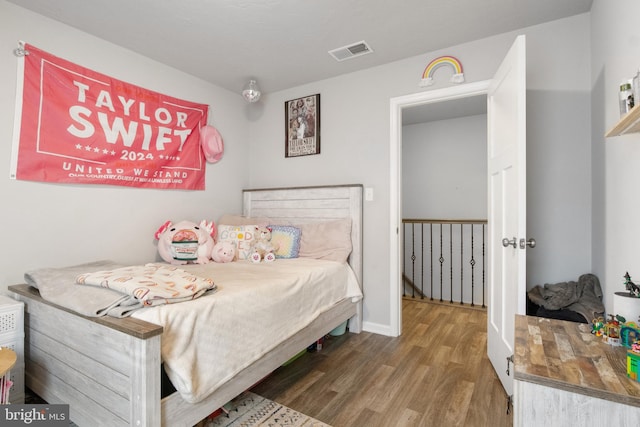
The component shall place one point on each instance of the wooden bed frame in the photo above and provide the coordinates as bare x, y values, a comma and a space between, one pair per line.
108, 369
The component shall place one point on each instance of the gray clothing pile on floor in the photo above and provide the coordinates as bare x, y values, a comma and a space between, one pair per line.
583, 296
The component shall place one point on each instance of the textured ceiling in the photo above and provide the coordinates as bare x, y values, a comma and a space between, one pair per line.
284, 43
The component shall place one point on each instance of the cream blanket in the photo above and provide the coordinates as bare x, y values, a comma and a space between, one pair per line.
58, 285
207, 341
151, 284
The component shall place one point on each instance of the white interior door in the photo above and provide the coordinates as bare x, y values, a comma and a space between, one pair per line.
506, 127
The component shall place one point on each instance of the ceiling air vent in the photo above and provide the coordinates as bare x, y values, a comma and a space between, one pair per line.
351, 51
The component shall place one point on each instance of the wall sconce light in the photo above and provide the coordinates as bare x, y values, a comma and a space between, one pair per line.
251, 92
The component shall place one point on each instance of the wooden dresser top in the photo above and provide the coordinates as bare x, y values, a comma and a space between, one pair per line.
566, 355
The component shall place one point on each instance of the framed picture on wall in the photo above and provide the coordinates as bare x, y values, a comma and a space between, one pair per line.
302, 126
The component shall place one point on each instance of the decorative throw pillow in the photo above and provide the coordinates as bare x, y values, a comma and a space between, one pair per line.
329, 240
287, 239
231, 219
240, 235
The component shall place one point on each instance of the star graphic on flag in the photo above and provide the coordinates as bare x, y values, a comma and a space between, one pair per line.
87, 148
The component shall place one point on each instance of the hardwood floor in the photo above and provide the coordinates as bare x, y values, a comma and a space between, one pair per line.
436, 374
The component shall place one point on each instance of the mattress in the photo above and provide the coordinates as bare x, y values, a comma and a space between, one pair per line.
256, 307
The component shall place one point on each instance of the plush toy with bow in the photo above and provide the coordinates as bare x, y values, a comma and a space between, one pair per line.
262, 248
186, 242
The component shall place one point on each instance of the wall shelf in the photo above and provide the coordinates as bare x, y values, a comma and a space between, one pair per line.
629, 123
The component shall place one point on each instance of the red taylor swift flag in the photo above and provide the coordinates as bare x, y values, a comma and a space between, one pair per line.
74, 125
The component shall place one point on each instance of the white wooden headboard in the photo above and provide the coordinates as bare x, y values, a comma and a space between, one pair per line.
312, 204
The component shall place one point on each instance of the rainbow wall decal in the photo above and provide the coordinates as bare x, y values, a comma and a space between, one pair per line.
442, 61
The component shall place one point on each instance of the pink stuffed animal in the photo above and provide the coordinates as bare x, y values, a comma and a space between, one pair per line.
186, 242
223, 252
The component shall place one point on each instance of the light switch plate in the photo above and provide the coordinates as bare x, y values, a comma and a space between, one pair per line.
368, 194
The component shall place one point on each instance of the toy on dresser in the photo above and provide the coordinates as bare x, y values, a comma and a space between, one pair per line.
186, 242
631, 340
633, 289
612, 329
262, 248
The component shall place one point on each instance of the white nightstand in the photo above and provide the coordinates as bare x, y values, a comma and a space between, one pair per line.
12, 337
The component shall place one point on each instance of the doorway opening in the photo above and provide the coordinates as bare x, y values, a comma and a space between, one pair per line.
433, 103
444, 202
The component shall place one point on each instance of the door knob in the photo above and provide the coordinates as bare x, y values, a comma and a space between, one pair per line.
524, 243
506, 242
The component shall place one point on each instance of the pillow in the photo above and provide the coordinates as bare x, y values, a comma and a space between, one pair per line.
242, 220
287, 239
329, 240
240, 235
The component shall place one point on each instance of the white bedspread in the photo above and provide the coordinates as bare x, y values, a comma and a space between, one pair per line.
256, 306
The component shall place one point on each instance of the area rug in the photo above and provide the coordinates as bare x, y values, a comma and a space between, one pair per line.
252, 410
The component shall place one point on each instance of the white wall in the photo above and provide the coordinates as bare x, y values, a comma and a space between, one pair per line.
53, 225
355, 121
615, 41
444, 169
118, 223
